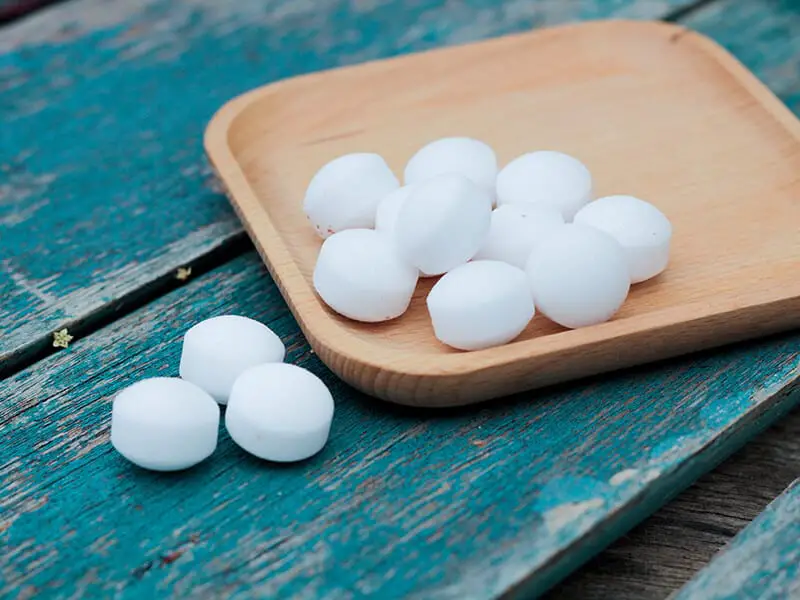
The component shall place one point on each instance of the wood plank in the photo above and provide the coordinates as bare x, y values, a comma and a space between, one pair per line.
10, 10
670, 547
762, 562
105, 188
471, 503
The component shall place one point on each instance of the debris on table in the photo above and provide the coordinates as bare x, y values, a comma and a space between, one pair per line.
62, 338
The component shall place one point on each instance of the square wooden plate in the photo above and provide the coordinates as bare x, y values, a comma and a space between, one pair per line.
653, 109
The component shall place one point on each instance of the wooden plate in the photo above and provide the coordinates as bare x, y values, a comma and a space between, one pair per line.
653, 109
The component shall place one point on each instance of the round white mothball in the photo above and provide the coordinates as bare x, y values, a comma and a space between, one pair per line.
464, 156
515, 231
480, 304
546, 177
579, 276
360, 275
279, 412
389, 208
344, 194
643, 231
164, 424
443, 223
217, 350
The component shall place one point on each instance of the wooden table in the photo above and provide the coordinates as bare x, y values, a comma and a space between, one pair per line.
114, 231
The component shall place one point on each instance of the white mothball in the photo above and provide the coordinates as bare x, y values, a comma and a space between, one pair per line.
164, 424
443, 223
464, 156
279, 412
546, 177
578, 276
360, 276
217, 350
344, 194
515, 231
480, 304
389, 208
643, 231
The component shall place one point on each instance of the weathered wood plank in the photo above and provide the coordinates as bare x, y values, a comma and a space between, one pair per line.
669, 548
104, 185
761, 563
454, 504
11, 10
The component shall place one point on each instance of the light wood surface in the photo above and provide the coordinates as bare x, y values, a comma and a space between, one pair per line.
654, 110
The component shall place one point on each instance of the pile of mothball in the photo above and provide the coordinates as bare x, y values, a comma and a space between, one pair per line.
275, 411
529, 237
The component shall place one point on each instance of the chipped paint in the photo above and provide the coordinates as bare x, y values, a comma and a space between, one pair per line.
624, 476
570, 513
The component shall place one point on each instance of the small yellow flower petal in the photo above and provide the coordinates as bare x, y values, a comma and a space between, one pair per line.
61, 339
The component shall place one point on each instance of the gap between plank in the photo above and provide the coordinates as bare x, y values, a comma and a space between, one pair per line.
22, 8
229, 249
679, 14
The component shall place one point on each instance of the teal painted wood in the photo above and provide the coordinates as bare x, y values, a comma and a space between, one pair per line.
764, 35
104, 189
761, 563
505, 498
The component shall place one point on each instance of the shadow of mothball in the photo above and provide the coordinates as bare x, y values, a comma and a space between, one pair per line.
279, 412
344, 193
578, 276
643, 231
546, 177
464, 156
443, 223
515, 230
480, 304
217, 350
389, 208
164, 424
360, 275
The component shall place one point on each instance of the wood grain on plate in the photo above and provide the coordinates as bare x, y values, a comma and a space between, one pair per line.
472, 503
654, 110
761, 563
104, 189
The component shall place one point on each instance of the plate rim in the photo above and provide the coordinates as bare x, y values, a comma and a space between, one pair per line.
337, 345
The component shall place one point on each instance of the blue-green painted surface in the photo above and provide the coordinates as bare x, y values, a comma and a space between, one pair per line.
457, 504
103, 190
103, 183
761, 563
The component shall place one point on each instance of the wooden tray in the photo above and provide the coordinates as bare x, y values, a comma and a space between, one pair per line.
653, 109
